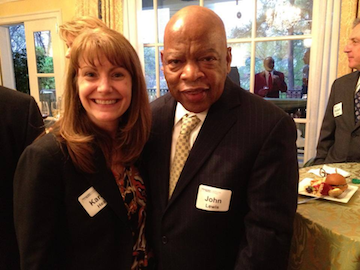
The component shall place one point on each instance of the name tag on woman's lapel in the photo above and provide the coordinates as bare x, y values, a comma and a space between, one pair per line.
92, 201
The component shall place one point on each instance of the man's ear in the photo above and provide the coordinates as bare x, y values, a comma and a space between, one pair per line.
162, 60
228, 59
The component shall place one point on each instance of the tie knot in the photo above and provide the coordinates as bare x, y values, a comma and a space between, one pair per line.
188, 124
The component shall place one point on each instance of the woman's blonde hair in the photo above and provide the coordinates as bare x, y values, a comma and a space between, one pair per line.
78, 25
75, 128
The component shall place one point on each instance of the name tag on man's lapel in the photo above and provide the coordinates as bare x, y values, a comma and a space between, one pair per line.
213, 199
92, 201
337, 109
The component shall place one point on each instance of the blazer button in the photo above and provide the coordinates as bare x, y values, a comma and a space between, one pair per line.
164, 239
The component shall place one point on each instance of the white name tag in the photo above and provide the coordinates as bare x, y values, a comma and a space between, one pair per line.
213, 199
92, 201
337, 109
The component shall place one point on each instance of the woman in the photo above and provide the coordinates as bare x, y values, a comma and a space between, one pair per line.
71, 29
79, 199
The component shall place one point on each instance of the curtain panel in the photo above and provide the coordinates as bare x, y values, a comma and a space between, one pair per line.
110, 11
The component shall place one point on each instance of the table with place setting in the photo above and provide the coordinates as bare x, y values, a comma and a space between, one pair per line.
326, 229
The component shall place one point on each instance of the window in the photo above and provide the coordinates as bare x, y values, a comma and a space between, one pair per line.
286, 30
255, 30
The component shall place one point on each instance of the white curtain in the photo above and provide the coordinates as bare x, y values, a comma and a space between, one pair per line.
323, 67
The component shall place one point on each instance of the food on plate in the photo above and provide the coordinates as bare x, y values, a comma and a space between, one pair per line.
332, 185
336, 180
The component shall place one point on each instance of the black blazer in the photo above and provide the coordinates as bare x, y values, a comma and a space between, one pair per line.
246, 145
20, 124
54, 231
339, 139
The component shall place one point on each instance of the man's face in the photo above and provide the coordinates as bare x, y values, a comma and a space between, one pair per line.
353, 48
195, 65
269, 64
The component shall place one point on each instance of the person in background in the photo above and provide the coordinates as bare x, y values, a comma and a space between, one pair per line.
20, 124
79, 200
232, 204
269, 82
339, 139
305, 72
71, 29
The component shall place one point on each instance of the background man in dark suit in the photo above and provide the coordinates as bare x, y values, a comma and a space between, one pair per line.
339, 139
20, 124
269, 82
234, 202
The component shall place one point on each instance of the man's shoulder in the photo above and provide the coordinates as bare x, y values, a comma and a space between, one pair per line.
260, 74
9, 96
276, 72
351, 76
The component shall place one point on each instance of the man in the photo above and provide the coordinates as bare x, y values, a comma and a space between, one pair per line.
235, 199
305, 72
20, 124
269, 82
339, 135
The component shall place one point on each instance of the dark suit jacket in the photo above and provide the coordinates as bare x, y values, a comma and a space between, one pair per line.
53, 228
278, 85
339, 139
20, 124
246, 145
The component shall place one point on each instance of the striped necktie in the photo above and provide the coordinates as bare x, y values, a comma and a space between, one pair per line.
357, 104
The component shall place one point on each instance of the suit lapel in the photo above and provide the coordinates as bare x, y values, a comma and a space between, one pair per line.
217, 123
104, 182
352, 84
348, 99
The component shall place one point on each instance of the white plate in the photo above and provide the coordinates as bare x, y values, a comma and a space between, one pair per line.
343, 198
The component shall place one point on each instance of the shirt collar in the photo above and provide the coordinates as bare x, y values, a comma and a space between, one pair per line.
181, 111
357, 85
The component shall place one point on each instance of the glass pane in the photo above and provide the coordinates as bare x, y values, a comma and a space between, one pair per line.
283, 17
166, 9
241, 58
43, 51
146, 22
150, 72
236, 15
291, 62
163, 85
47, 89
19, 55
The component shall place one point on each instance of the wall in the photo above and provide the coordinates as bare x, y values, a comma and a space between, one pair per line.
349, 11
22, 7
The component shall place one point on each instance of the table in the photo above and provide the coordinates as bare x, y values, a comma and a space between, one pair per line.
326, 233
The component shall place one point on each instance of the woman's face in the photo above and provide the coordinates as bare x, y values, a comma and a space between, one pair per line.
105, 92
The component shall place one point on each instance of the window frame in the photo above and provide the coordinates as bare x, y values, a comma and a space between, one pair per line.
323, 59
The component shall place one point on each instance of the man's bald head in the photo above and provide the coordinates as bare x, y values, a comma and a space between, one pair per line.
195, 58
196, 21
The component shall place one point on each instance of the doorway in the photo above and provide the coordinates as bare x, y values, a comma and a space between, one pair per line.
44, 54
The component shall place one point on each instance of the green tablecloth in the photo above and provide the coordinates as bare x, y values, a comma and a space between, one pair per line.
326, 233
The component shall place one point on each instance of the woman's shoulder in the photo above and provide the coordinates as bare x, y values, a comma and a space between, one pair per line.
49, 144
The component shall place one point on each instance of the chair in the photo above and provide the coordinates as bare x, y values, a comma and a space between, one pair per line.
234, 75
309, 163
